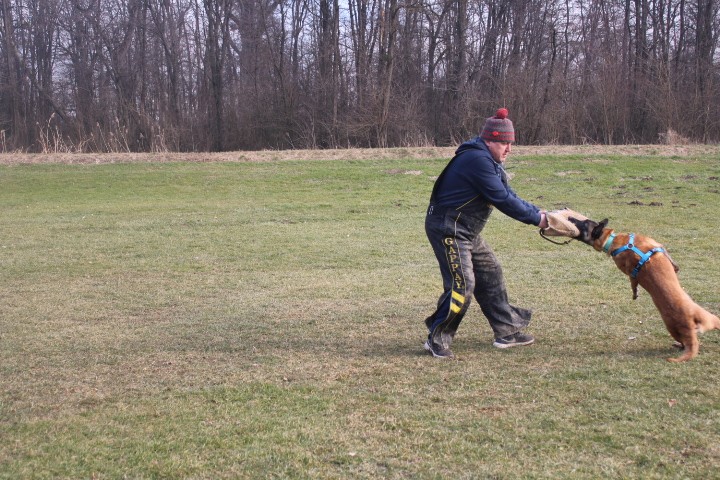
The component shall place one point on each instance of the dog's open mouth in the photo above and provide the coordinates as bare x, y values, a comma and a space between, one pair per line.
559, 224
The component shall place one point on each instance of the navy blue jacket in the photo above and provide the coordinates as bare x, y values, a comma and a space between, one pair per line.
473, 176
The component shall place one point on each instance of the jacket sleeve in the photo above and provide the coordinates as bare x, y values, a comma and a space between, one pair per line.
489, 179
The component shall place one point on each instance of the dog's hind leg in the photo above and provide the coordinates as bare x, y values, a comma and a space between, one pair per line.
689, 352
689, 340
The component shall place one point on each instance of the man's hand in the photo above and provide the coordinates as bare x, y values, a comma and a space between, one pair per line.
543, 220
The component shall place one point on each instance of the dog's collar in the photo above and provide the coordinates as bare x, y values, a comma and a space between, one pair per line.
608, 242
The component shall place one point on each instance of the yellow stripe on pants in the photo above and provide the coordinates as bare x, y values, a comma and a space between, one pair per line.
459, 299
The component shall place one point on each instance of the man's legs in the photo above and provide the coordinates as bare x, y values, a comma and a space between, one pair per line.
455, 260
491, 294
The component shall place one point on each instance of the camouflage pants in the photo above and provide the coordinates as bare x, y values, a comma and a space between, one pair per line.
469, 269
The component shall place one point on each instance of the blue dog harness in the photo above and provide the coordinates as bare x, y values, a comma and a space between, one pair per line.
644, 256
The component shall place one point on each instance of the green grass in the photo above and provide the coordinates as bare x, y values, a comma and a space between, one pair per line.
265, 320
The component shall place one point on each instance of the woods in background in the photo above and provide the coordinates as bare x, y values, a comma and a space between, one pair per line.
217, 75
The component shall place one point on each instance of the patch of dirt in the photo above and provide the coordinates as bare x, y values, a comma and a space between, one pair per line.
398, 171
680, 151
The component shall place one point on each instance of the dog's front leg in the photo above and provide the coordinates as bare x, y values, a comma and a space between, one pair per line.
634, 285
675, 265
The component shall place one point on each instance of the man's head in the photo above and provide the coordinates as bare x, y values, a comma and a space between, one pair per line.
499, 134
499, 150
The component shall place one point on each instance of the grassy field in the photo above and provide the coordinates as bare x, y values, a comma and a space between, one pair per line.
265, 320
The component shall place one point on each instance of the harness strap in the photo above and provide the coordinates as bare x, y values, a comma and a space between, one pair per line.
644, 256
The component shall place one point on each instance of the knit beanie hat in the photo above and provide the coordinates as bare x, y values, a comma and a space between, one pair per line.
498, 128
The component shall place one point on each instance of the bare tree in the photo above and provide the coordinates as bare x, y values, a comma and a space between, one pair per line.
12, 94
143, 75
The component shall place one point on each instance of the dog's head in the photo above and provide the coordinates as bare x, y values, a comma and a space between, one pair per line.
590, 230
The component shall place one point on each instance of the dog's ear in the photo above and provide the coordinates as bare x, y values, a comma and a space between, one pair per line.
597, 231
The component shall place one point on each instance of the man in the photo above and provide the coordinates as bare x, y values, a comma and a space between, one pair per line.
463, 197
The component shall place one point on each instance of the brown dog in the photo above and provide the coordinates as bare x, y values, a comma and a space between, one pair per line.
648, 264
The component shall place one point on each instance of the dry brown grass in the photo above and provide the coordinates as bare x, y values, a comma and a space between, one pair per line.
189, 321
351, 154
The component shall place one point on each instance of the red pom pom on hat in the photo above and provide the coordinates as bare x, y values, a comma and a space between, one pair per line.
501, 113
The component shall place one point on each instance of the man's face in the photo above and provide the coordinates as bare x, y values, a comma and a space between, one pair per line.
499, 150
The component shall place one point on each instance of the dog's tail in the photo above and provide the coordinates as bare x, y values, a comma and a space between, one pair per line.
706, 321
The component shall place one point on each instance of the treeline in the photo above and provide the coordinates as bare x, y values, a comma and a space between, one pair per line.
214, 75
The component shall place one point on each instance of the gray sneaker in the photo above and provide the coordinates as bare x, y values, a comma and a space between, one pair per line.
437, 351
517, 339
